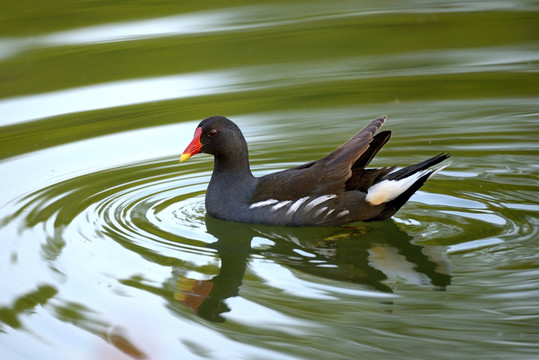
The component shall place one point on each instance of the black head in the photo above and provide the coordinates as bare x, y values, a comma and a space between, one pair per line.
217, 136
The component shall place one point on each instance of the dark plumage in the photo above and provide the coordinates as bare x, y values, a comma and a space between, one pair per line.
334, 190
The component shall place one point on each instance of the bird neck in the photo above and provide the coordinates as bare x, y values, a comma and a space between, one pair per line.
231, 183
235, 166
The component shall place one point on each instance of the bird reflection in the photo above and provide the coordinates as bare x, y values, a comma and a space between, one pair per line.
206, 297
376, 255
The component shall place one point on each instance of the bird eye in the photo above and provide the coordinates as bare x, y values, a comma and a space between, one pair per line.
212, 133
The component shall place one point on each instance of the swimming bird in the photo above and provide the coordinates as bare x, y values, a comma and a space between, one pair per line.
335, 190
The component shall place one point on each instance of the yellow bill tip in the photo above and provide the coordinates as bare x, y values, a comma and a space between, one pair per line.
184, 157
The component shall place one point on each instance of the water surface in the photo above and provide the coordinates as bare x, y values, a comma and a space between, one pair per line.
106, 248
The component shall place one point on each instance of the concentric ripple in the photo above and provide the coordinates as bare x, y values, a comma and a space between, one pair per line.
141, 230
106, 251
158, 207
138, 234
158, 200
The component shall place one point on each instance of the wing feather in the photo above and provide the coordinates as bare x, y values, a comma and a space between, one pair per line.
325, 176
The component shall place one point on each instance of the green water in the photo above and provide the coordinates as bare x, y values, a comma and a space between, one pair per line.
106, 251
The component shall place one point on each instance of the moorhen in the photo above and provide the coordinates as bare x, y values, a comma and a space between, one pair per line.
335, 190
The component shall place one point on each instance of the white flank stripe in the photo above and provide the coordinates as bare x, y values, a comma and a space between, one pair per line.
328, 213
388, 190
320, 211
280, 205
319, 200
295, 206
343, 213
263, 203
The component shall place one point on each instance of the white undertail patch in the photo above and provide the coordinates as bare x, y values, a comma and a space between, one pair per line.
388, 190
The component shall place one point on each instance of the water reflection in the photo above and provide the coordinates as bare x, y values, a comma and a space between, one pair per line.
68, 312
11, 315
259, 78
206, 297
373, 256
113, 94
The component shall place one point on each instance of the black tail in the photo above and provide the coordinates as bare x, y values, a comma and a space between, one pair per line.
394, 205
412, 169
